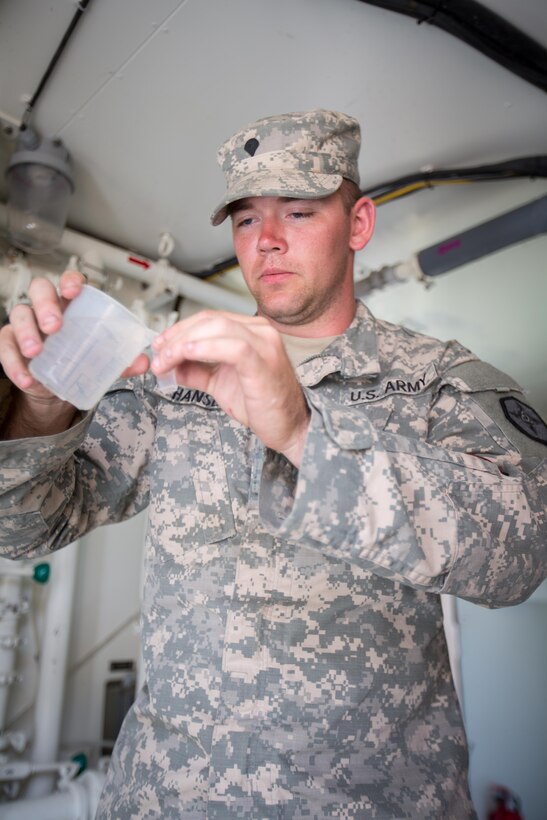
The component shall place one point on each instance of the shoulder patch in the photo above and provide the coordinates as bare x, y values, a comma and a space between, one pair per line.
524, 418
476, 375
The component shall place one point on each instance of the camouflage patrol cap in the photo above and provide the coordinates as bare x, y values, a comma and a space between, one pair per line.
303, 155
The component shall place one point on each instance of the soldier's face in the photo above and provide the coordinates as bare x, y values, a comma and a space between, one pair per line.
297, 258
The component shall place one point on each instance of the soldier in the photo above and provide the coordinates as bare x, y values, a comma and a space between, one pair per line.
316, 480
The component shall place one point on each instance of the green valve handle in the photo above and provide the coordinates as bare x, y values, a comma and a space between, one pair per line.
41, 573
81, 760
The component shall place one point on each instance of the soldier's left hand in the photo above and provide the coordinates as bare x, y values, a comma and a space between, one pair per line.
242, 363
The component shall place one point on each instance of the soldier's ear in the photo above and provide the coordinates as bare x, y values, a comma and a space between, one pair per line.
363, 218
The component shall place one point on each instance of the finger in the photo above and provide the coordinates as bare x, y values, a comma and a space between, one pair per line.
71, 284
184, 325
204, 319
13, 362
259, 334
231, 350
193, 374
25, 331
46, 305
138, 367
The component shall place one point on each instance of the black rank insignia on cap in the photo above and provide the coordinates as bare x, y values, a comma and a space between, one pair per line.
525, 419
251, 146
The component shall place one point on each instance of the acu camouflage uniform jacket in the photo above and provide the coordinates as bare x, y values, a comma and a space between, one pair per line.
296, 664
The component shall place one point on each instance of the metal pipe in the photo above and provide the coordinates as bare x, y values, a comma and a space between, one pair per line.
48, 709
522, 223
151, 273
452, 633
78, 800
11, 598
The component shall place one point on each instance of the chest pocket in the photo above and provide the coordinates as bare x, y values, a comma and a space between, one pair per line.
397, 404
191, 496
409, 416
400, 414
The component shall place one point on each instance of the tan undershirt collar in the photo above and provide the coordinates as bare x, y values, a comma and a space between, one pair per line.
300, 348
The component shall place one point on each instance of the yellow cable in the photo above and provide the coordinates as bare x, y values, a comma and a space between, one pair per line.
417, 186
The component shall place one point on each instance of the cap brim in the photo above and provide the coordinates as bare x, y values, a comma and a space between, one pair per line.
294, 184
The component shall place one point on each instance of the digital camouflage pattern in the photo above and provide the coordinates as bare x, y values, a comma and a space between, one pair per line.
303, 155
295, 658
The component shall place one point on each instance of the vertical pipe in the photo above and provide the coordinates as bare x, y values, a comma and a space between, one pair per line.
53, 662
11, 596
453, 640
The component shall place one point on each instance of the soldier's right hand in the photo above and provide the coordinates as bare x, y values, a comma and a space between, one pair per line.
22, 339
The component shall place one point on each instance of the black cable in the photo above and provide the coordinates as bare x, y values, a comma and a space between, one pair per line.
482, 29
54, 60
532, 167
218, 267
466, 19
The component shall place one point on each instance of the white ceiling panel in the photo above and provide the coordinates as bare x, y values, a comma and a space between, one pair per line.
145, 92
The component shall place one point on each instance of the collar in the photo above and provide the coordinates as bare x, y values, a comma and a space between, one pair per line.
353, 353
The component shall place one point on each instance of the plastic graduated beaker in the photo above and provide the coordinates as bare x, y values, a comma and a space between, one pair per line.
98, 339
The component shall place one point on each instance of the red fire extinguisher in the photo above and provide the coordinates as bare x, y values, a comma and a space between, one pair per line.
504, 805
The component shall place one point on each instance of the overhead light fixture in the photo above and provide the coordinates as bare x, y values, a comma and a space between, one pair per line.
40, 183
